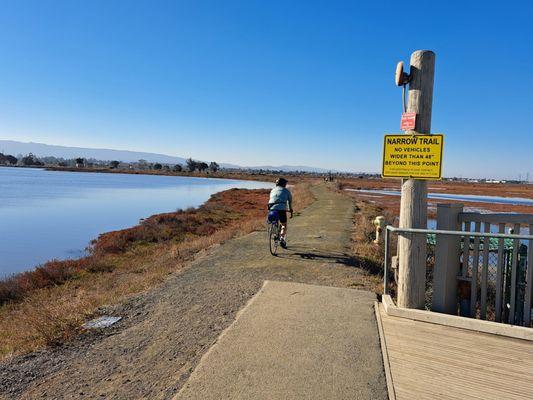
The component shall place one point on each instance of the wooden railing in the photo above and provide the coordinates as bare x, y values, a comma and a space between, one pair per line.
479, 268
512, 284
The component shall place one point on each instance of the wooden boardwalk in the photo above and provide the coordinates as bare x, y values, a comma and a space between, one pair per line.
429, 361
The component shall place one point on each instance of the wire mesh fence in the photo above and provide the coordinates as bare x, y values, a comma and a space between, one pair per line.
497, 298
492, 274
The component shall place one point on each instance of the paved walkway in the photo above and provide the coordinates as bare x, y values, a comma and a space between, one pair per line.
429, 361
295, 341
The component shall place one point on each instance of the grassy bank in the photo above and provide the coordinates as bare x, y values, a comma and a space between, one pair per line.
367, 255
370, 255
221, 174
47, 306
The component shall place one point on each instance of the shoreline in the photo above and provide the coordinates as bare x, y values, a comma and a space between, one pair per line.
248, 176
224, 175
81, 251
113, 250
48, 305
267, 176
86, 251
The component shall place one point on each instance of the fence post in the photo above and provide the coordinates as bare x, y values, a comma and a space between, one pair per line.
447, 260
413, 206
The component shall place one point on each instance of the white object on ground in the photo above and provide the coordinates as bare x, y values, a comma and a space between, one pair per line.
101, 322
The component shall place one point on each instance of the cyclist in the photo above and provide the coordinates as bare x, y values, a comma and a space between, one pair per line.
281, 202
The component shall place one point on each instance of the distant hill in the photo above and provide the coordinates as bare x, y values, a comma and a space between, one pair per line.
42, 150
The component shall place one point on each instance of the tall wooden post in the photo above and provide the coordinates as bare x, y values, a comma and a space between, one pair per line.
413, 208
447, 256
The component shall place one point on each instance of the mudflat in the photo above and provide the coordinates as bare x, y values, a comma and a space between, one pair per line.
164, 333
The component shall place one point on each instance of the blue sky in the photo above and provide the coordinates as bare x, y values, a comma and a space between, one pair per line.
278, 82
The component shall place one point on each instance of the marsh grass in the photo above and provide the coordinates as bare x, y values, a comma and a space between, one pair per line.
370, 256
48, 306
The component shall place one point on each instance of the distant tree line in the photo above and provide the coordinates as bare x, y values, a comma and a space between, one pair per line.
28, 160
7, 159
80, 162
201, 166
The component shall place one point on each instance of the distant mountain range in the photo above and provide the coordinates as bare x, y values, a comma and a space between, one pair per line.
42, 150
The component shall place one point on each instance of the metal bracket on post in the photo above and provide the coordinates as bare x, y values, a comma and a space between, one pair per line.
402, 79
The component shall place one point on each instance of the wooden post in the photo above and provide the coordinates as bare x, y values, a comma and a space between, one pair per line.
447, 260
413, 208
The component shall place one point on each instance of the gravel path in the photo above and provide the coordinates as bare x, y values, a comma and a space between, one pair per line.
151, 352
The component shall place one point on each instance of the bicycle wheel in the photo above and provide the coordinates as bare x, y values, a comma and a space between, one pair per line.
273, 238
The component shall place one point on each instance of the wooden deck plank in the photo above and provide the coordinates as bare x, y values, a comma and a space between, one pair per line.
430, 361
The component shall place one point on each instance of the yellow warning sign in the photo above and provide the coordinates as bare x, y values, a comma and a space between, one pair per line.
412, 156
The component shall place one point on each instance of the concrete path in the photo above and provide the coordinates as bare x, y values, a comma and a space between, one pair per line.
295, 341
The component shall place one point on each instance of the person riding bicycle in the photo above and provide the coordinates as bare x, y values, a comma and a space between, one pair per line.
281, 202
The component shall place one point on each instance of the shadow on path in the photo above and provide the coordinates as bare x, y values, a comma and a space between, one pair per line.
308, 253
299, 253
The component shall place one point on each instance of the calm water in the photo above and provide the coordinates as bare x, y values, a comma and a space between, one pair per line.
460, 197
47, 214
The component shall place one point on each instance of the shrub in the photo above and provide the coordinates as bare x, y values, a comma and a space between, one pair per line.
51, 273
213, 167
221, 209
191, 165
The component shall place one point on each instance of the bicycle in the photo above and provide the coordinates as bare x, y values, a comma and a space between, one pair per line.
274, 230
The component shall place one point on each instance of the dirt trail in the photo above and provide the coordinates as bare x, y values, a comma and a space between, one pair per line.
164, 333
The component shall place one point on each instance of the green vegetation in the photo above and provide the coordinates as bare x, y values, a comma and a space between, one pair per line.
30, 160
6, 159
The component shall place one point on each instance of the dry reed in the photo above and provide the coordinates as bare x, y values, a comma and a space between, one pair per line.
143, 257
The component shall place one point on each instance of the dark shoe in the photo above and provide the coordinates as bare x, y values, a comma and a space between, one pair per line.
283, 244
